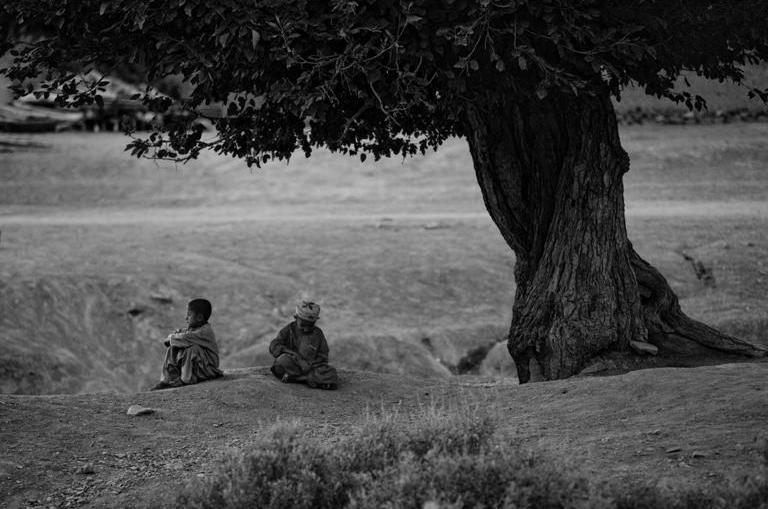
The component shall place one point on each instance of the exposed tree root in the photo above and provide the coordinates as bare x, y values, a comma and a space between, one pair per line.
672, 330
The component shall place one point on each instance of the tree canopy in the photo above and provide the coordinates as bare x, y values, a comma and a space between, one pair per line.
377, 77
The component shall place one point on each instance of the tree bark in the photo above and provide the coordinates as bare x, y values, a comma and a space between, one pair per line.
551, 173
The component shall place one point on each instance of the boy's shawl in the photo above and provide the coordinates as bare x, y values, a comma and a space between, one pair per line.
199, 356
202, 336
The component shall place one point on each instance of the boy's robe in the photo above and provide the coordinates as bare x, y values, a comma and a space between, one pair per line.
192, 355
299, 353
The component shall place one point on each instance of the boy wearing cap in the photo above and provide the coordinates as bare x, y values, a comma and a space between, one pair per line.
301, 351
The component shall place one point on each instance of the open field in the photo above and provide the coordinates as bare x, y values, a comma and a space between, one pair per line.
408, 267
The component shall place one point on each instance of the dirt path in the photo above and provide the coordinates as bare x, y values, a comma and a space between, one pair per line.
701, 425
244, 213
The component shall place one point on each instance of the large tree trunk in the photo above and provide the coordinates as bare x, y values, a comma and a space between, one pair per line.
551, 176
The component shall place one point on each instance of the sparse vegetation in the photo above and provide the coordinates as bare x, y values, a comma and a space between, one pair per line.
434, 458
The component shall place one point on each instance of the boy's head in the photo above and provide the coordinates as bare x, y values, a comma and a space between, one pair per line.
307, 313
198, 312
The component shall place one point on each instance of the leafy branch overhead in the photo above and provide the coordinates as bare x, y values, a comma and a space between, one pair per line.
377, 77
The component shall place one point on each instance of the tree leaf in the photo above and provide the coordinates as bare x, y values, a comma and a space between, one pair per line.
522, 63
412, 20
255, 38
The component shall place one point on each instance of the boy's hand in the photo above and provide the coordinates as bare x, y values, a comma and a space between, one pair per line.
305, 366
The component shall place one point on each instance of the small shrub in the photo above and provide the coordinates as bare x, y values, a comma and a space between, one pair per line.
494, 478
749, 493
382, 440
440, 458
286, 472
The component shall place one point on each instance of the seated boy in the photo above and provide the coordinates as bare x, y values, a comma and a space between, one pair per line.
192, 355
301, 351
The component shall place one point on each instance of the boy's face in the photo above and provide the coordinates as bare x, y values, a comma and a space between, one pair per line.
304, 324
194, 319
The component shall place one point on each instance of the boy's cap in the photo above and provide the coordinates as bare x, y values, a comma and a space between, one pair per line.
307, 310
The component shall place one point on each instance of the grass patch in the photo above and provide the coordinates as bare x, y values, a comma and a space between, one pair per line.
436, 458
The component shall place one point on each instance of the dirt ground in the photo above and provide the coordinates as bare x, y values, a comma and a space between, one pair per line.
99, 254
667, 426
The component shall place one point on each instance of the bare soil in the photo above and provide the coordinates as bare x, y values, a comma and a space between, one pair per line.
676, 427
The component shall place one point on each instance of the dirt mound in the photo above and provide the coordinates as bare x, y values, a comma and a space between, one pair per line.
76, 334
72, 334
701, 425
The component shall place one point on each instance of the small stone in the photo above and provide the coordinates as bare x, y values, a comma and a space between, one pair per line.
596, 367
698, 454
384, 222
674, 449
161, 298
643, 347
86, 469
134, 410
135, 310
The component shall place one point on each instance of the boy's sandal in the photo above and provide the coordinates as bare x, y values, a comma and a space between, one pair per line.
167, 385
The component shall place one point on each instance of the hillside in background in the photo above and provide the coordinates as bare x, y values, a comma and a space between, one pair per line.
720, 96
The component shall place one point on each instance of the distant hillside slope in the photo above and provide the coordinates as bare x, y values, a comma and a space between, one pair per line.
5, 92
720, 96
